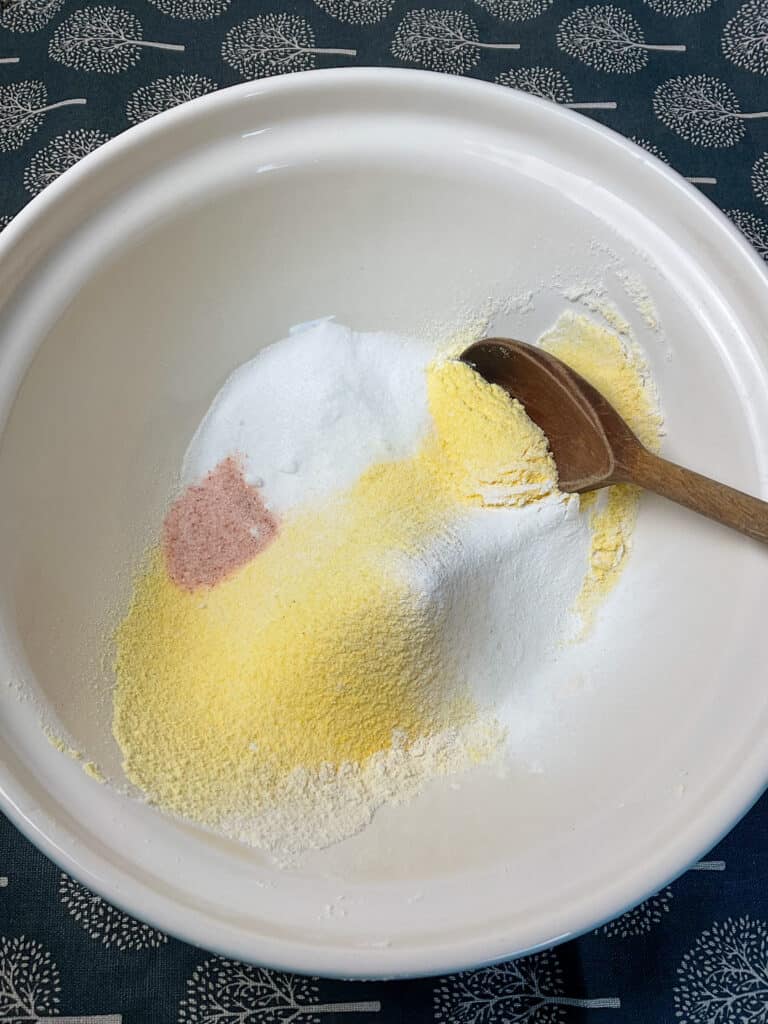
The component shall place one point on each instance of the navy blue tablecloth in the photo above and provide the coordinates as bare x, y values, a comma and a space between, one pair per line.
675, 75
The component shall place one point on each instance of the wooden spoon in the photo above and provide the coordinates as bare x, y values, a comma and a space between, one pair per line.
592, 445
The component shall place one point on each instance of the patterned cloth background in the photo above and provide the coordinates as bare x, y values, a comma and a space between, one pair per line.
687, 79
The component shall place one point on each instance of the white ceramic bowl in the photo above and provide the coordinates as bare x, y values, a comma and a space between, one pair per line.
393, 199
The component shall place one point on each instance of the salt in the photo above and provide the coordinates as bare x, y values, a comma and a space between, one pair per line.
311, 413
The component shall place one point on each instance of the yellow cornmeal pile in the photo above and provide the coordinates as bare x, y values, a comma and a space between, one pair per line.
617, 369
318, 651
484, 450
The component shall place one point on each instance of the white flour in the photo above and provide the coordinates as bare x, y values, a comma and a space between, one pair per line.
311, 811
311, 413
506, 594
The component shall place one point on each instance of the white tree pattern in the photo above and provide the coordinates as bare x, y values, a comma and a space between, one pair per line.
101, 38
608, 38
29, 980
515, 10
5, 220
272, 44
225, 992
760, 178
30, 986
653, 149
441, 40
104, 922
549, 84
59, 154
703, 110
745, 37
641, 919
679, 8
528, 991
754, 229
23, 106
192, 10
724, 978
28, 15
357, 12
165, 93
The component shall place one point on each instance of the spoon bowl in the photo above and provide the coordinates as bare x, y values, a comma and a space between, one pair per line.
593, 446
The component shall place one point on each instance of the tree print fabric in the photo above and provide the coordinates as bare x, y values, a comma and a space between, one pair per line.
687, 80
609, 38
274, 44
523, 991
104, 39
441, 41
23, 106
222, 989
725, 975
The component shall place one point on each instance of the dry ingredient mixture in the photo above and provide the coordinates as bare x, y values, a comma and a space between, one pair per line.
618, 370
369, 551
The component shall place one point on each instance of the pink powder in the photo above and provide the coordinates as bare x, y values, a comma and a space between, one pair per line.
215, 527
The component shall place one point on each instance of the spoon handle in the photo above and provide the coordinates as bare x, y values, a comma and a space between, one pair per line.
717, 501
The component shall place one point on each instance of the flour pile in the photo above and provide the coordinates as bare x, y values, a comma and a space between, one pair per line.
368, 552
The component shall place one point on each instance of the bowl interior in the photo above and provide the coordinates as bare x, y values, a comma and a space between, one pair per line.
219, 229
